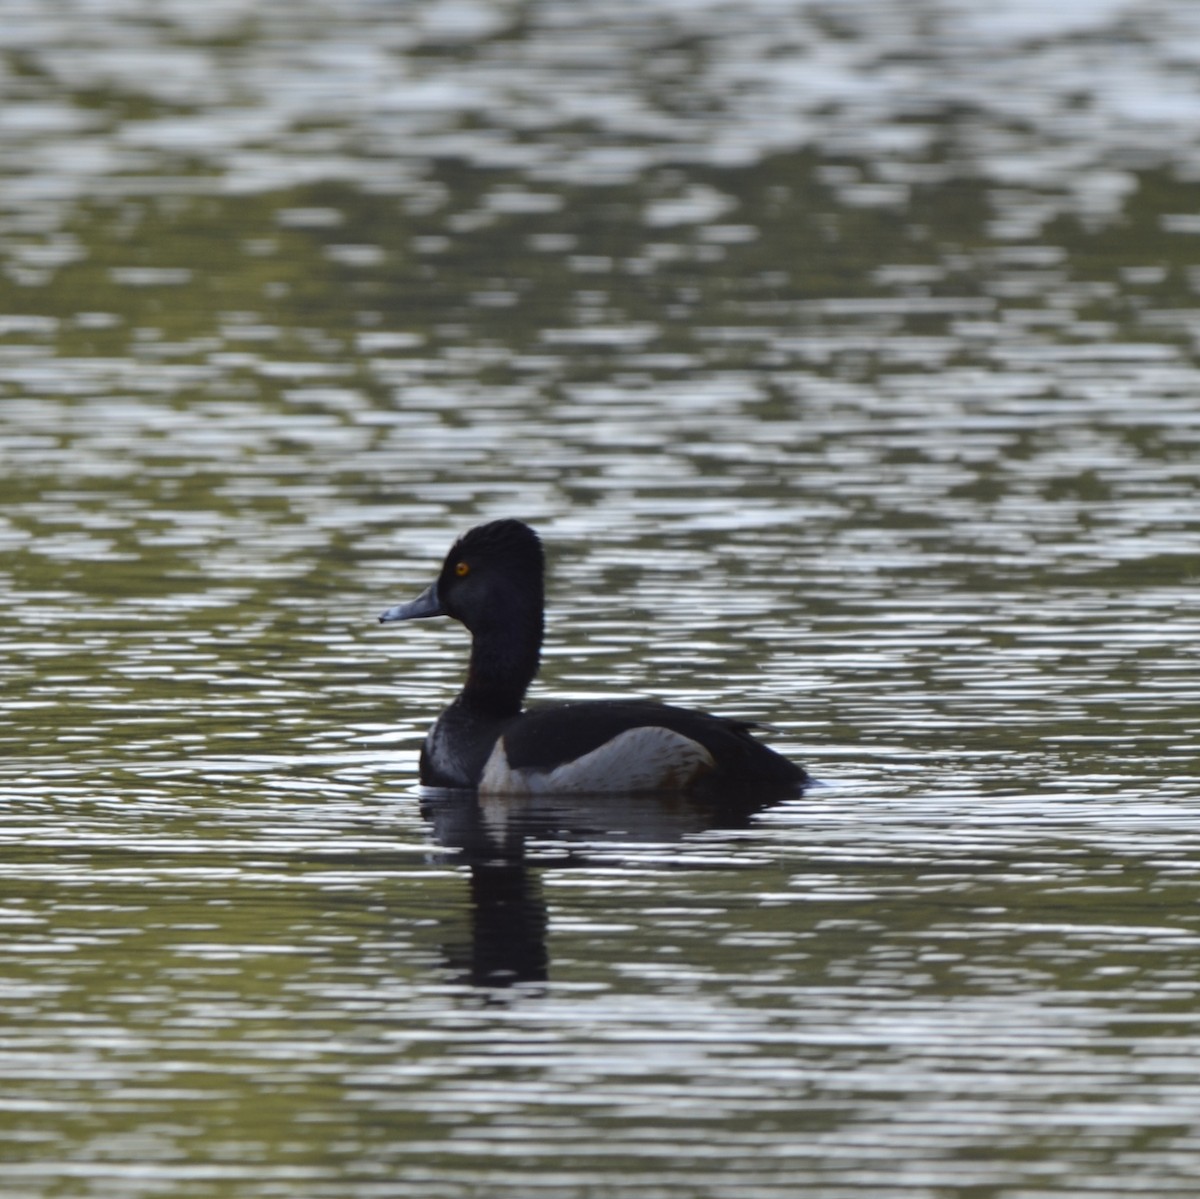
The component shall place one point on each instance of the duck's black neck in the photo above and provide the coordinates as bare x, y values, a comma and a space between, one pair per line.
504, 660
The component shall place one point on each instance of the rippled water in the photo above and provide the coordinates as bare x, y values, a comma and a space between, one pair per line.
845, 355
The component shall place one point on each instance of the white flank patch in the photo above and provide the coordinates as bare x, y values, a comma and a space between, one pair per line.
642, 759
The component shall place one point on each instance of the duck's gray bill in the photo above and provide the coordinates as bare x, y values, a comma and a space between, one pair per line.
426, 604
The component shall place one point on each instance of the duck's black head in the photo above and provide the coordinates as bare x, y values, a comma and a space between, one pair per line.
491, 579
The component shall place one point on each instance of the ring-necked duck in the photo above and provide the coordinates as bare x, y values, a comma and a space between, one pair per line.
491, 581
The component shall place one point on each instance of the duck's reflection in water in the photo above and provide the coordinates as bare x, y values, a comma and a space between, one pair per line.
507, 844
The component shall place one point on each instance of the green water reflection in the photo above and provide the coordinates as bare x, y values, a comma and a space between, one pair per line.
265, 1005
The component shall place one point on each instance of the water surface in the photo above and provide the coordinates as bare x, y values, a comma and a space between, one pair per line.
845, 355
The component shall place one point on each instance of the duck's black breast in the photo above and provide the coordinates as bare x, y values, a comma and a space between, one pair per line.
692, 745
458, 746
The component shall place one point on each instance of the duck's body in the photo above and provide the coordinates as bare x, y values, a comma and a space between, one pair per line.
492, 582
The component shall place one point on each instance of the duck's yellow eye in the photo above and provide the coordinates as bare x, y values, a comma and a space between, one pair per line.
462, 569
